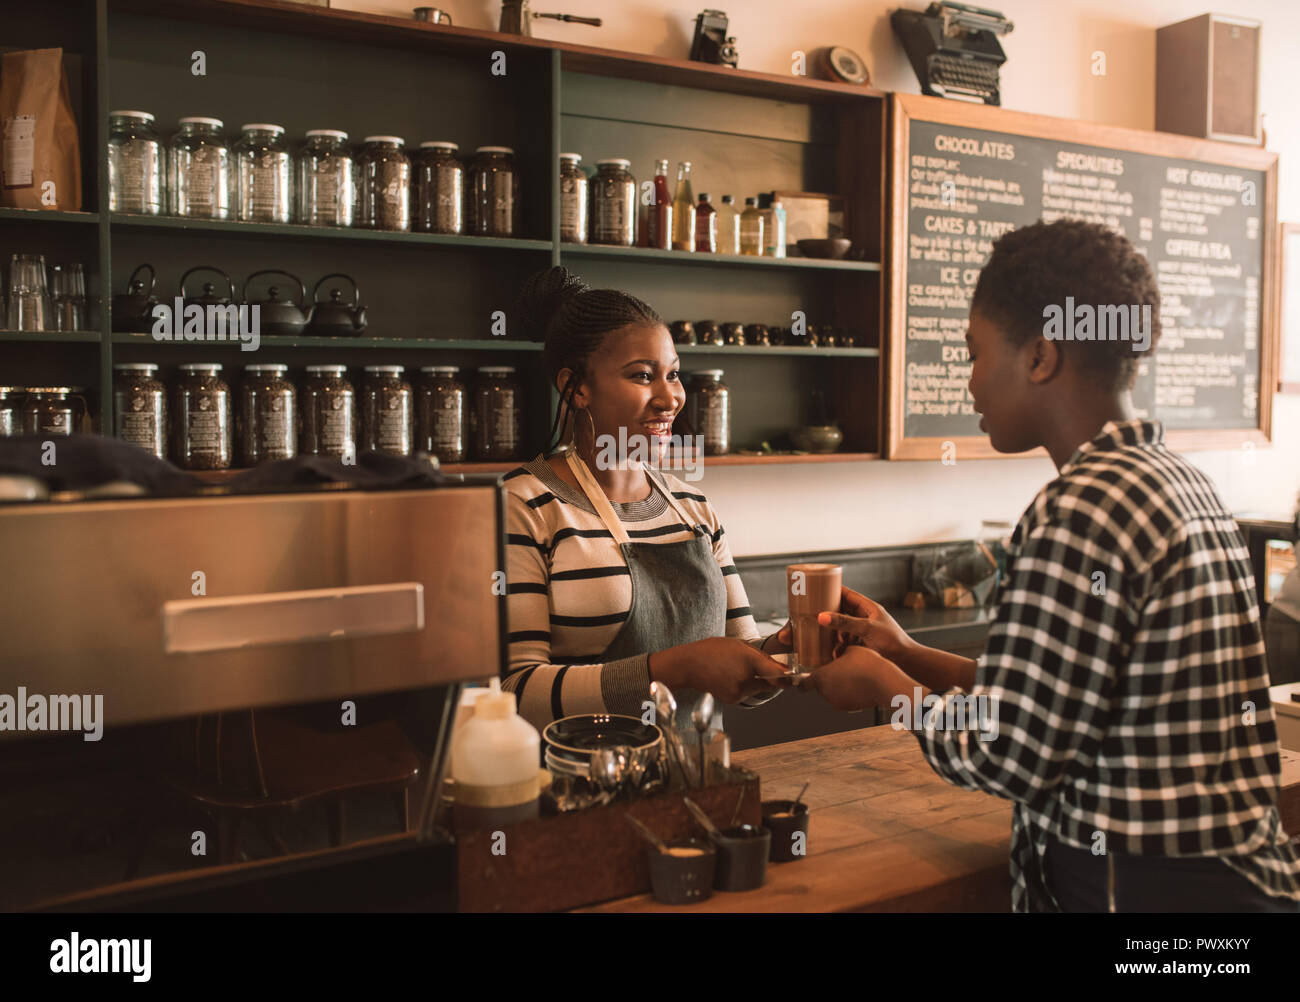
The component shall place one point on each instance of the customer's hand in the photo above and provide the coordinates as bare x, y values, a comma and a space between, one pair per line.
729, 668
781, 642
859, 679
862, 621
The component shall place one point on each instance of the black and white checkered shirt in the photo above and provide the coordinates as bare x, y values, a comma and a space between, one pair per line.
1128, 668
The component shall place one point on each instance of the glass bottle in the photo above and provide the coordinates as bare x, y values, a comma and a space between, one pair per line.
329, 413
613, 203
198, 170
774, 229
495, 416
439, 189
326, 179
728, 227
684, 210
263, 174
706, 226
659, 217
751, 228
135, 164
386, 411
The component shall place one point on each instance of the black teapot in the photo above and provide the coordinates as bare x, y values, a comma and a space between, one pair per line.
336, 316
209, 295
276, 315
132, 310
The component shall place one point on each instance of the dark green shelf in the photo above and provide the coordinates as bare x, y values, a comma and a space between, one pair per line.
308, 341
37, 336
47, 216
173, 224
723, 260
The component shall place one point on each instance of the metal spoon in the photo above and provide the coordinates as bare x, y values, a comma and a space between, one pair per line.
647, 834
701, 817
606, 771
666, 709
795, 802
701, 717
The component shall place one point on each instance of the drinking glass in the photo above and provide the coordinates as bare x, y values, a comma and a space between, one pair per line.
29, 301
68, 290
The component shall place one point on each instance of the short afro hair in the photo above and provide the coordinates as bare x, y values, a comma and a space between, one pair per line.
1039, 265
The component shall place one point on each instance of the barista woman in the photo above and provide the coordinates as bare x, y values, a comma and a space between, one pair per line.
618, 575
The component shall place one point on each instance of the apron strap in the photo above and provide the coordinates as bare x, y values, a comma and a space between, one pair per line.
605, 510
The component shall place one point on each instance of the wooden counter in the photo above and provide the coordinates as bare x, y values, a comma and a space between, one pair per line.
887, 834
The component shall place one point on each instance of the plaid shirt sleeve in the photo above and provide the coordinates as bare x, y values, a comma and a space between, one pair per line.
1062, 625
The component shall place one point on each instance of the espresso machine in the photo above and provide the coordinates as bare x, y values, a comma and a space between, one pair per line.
239, 701
517, 19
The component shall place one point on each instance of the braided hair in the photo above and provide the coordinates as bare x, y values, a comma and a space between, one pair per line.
572, 320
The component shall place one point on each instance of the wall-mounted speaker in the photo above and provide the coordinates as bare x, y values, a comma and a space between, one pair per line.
1207, 78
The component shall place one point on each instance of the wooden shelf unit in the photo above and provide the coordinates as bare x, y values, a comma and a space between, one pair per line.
431, 298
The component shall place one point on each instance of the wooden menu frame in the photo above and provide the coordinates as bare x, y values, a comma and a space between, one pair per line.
905, 107
1288, 340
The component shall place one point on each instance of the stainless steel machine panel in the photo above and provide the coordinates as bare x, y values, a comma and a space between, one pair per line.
169, 608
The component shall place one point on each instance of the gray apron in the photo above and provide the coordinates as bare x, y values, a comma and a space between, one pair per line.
678, 592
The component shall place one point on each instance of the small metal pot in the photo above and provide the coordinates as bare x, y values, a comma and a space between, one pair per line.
132, 311
279, 316
337, 317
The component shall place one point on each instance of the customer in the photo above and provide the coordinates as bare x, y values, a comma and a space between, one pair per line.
1282, 625
618, 575
1124, 668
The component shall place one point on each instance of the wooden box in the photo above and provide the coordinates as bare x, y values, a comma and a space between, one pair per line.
582, 857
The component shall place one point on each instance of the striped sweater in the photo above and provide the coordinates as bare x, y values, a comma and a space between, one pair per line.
569, 592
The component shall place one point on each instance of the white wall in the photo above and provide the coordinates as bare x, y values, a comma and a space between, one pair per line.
1048, 72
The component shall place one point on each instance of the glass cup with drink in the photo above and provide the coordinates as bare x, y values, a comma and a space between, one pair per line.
812, 589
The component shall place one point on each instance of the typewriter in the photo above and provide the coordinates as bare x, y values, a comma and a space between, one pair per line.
953, 47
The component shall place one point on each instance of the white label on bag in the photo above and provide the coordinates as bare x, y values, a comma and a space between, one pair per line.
19, 150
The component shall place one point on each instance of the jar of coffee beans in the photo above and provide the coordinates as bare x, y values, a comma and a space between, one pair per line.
709, 411
267, 428
493, 192
140, 406
11, 419
202, 436
440, 414
329, 413
385, 179
496, 415
439, 189
386, 411
53, 410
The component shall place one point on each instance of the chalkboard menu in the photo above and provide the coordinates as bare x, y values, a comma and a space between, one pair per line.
1202, 213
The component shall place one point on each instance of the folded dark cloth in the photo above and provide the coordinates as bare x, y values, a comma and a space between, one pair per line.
82, 462
371, 471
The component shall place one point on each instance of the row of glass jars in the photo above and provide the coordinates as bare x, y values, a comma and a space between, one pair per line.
259, 179
199, 422
42, 410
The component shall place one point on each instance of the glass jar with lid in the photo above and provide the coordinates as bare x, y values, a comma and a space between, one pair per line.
440, 414
53, 410
493, 192
384, 173
496, 415
573, 199
386, 411
329, 413
326, 182
135, 163
709, 411
11, 410
140, 407
202, 436
263, 174
267, 425
198, 170
439, 188
613, 203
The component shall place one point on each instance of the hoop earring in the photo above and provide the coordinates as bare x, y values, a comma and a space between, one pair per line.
591, 423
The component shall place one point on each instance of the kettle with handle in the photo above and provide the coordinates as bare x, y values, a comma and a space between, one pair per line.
132, 311
337, 316
276, 315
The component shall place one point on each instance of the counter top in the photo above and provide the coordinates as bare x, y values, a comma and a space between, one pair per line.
886, 833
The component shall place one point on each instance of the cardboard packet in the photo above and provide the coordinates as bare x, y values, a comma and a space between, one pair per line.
40, 153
